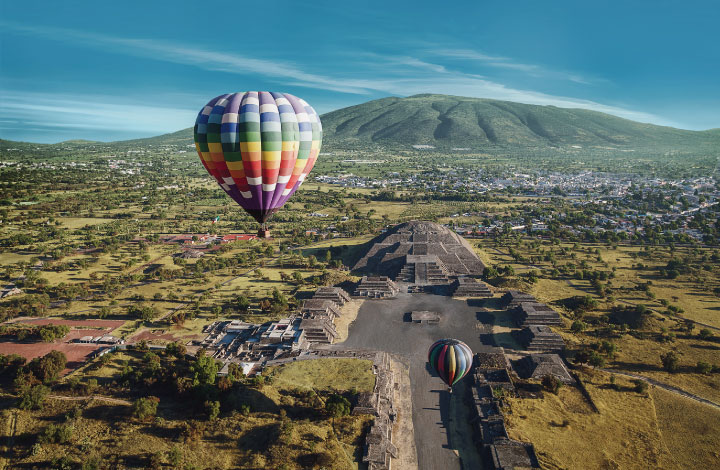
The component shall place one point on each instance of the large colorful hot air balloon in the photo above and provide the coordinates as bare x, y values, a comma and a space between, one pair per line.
451, 359
259, 146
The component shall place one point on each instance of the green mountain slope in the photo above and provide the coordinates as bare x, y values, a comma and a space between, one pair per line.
452, 121
478, 124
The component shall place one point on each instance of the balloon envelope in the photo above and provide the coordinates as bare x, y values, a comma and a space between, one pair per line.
451, 359
259, 146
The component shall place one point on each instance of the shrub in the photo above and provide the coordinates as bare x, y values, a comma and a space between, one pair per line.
337, 406
59, 434
578, 326
33, 397
213, 409
703, 367
551, 384
640, 386
705, 333
670, 361
145, 408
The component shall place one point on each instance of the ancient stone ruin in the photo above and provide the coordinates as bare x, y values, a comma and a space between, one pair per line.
336, 294
536, 313
537, 366
541, 338
421, 253
491, 381
376, 287
469, 287
379, 448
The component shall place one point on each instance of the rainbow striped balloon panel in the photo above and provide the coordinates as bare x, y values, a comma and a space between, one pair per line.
451, 359
259, 146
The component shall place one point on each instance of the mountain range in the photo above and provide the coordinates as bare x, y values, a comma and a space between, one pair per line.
479, 124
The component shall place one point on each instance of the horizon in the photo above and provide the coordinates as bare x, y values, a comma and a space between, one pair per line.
120, 72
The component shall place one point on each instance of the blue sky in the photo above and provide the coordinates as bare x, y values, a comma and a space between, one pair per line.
118, 70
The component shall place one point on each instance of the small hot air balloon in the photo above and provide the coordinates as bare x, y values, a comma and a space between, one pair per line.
451, 359
259, 146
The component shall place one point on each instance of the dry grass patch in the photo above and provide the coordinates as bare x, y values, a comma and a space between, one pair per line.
567, 434
698, 424
324, 374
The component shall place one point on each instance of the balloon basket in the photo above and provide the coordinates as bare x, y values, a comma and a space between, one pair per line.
262, 233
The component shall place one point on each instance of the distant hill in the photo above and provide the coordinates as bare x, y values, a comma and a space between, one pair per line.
477, 124
452, 121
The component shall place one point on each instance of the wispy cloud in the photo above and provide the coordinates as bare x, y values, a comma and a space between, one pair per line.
93, 112
510, 64
195, 56
386, 74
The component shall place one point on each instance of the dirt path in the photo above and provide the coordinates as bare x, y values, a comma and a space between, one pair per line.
403, 433
664, 386
349, 314
116, 401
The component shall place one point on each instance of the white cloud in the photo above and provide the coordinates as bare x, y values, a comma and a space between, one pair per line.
97, 112
395, 75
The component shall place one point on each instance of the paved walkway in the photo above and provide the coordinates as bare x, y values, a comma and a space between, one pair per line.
442, 433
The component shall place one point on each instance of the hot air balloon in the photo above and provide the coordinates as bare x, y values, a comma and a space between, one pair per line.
451, 359
259, 146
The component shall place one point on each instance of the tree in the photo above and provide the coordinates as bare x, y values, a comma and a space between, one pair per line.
204, 370
578, 326
703, 367
213, 409
297, 277
705, 334
670, 361
242, 303
175, 456
33, 397
48, 367
145, 408
337, 406
640, 386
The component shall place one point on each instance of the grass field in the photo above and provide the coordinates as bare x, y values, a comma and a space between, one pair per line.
567, 434
324, 374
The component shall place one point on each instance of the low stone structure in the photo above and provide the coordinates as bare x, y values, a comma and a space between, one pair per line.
512, 298
424, 316
336, 294
379, 448
541, 338
536, 313
490, 376
469, 287
508, 454
377, 287
537, 366
318, 329
324, 307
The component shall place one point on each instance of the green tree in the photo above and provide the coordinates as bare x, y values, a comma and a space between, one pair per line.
242, 303
204, 370
33, 397
705, 334
337, 406
670, 361
212, 408
703, 367
145, 408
